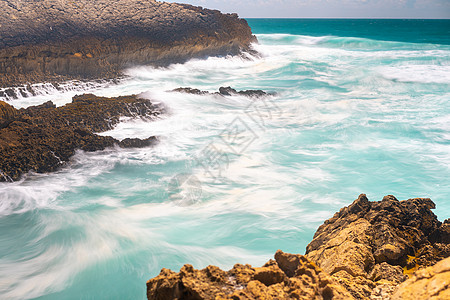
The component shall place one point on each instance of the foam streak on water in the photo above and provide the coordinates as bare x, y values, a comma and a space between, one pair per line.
352, 115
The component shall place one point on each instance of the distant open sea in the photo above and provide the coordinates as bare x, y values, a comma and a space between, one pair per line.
361, 106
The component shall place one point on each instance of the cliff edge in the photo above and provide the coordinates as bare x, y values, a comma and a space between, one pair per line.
55, 40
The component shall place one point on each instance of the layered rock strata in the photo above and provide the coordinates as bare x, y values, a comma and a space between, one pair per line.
365, 251
43, 138
55, 40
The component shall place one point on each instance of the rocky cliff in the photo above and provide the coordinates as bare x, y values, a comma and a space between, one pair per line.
365, 251
54, 40
43, 138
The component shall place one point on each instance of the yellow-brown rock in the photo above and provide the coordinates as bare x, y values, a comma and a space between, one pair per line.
289, 276
432, 283
370, 247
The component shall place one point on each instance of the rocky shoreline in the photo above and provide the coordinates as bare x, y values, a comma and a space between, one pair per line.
55, 41
367, 250
43, 138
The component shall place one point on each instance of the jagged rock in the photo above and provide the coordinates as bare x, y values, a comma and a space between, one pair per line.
432, 283
42, 138
228, 91
223, 91
54, 40
366, 246
289, 276
190, 91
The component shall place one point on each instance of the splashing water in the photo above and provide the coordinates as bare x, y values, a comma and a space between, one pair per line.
351, 115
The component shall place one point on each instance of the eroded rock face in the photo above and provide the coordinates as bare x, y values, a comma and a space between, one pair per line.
432, 283
369, 246
42, 138
289, 276
54, 40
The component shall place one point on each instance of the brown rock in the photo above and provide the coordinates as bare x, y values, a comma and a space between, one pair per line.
288, 277
432, 283
7, 114
43, 138
368, 247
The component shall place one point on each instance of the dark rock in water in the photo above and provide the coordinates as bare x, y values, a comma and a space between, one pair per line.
42, 138
54, 41
289, 276
138, 143
228, 91
224, 91
365, 251
190, 91
366, 241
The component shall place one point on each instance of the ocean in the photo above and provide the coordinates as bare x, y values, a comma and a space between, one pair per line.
360, 106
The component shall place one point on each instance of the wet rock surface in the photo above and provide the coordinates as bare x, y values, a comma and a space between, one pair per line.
52, 40
224, 91
365, 251
43, 138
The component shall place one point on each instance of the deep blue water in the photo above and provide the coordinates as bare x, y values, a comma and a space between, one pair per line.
400, 30
362, 106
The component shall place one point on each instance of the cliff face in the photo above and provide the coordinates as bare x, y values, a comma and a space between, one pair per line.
42, 138
51, 40
365, 251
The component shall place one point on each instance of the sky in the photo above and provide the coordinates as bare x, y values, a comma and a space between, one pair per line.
422, 9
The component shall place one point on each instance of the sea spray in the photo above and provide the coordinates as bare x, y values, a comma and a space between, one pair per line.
357, 115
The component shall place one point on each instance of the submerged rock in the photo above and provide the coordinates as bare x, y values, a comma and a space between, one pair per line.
289, 276
54, 41
42, 138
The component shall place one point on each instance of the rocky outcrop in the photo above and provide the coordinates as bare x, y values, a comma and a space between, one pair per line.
289, 276
42, 138
54, 40
365, 251
223, 91
369, 246
432, 283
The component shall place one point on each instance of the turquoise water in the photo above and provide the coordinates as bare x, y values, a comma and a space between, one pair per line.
354, 113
